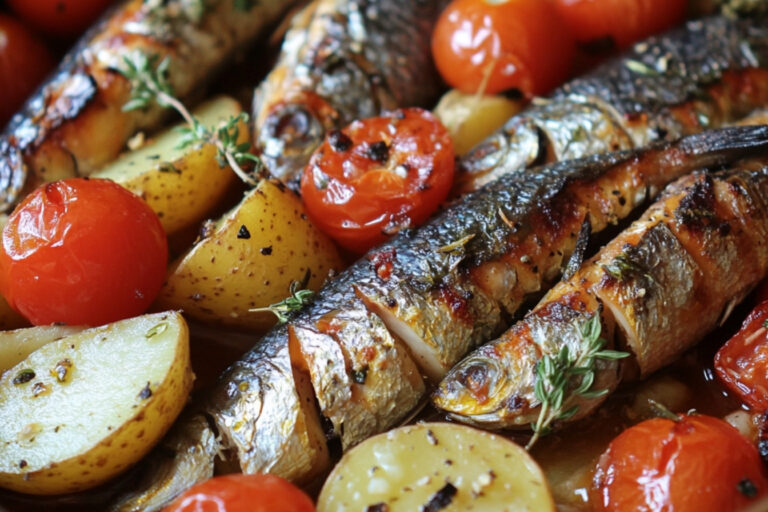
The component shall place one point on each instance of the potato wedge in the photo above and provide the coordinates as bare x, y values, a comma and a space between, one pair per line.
78, 411
415, 466
15, 346
470, 118
248, 260
181, 185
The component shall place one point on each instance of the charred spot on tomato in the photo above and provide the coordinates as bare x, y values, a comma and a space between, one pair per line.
747, 488
339, 141
378, 151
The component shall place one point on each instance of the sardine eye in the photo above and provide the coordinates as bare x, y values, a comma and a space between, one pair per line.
295, 127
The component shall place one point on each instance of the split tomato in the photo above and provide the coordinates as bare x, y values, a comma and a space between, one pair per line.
695, 463
378, 175
82, 251
495, 45
243, 493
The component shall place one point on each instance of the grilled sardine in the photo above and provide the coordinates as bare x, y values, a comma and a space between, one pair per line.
75, 123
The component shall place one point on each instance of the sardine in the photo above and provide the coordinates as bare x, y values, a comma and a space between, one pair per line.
343, 60
75, 124
701, 76
344, 359
665, 282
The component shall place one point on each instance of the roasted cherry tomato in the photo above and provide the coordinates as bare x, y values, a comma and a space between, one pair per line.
243, 493
377, 176
64, 18
24, 62
695, 463
82, 251
495, 45
624, 21
742, 363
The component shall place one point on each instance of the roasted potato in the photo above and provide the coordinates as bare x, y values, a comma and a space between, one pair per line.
79, 410
248, 260
181, 185
420, 466
470, 118
16, 345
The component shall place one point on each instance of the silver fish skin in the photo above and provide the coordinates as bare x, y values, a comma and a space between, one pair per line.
703, 75
343, 60
659, 288
75, 124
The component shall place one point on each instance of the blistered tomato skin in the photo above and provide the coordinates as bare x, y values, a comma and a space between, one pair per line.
696, 464
377, 176
496, 45
65, 18
82, 251
243, 493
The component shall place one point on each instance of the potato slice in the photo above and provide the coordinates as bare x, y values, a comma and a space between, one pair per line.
15, 346
248, 260
78, 411
470, 118
416, 466
181, 185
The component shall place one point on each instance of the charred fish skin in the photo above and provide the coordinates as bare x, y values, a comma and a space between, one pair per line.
343, 60
664, 283
701, 76
451, 285
75, 123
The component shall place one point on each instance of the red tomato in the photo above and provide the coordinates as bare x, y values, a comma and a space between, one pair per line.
742, 363
696, 464
59, 17
82, 251
24, 62
378, 175
495, 45
243, 493
625, 21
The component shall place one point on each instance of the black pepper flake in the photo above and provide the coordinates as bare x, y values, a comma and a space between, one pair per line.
747, 488
441, 499
243, 233
339, 141
145, 393
378, 507
23, 377
378, 151
266, 251
359, 375
22, 463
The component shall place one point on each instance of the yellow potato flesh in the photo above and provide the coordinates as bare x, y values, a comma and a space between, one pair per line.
409, 467
249, 261
98, 401
470, 118
16, 345
181, 185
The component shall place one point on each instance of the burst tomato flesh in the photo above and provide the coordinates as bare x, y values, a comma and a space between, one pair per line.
378, 175
82, 251
243, 493
695, 464
59, 17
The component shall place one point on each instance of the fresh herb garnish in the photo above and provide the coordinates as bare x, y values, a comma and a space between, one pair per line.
298, 299
562, 378
149, 83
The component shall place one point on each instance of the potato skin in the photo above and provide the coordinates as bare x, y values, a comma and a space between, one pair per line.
129, 442
248, 260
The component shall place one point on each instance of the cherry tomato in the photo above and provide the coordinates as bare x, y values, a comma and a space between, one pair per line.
742, 363
24, 62
495, 45
695, 464
243, 493
378, 175
63, 18
624, 21
82, 251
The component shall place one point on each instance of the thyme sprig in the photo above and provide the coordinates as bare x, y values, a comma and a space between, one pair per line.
298, 299
149, 83
568, 375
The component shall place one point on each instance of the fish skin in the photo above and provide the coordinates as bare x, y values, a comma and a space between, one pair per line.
343, 60
703, 75
75, 124
666, 281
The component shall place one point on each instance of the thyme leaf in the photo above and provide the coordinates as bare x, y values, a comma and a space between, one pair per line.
149, 84
568, 375
298, 298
